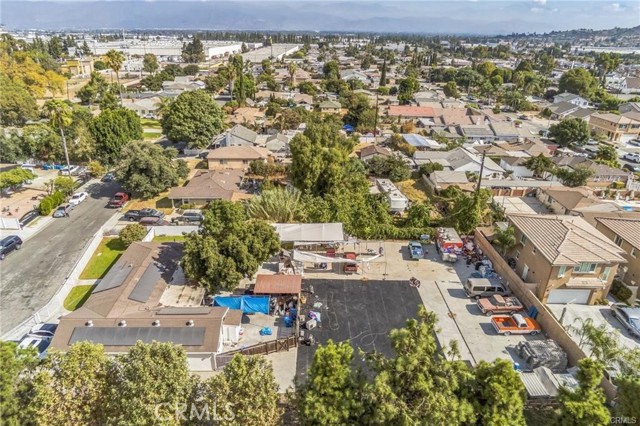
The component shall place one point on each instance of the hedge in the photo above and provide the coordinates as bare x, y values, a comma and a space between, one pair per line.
47, 204
620, 291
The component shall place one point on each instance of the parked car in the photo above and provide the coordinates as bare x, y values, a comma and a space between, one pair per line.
9, 244
63, 211
69, 171
631, 167
191, 216
109, 177
43, 330
29, 217
628, 316
515, 324
634, 142
499, 304
40, 343
482, 287
78, 198
134, 215
153, 221
415, 250
118, 200
632, 157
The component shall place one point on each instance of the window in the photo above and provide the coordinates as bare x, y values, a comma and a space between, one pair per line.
618, 240
605, 274
534, 251
223, 161
517, 254
585, 268
562, 271
632, 253
523, 240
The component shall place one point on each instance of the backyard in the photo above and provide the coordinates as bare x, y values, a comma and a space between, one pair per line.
414, 189
169, 238
107, 253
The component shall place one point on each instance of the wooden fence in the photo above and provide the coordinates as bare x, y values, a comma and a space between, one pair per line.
264, 348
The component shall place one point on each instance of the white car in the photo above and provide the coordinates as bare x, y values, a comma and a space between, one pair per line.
78, 198
40, 343
632, 157
43, 330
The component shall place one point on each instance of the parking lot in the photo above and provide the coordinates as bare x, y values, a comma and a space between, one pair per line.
441, 292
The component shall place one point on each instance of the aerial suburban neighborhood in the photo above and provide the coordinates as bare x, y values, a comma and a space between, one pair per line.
252, 227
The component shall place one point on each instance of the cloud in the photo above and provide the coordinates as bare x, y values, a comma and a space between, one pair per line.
541, 2
537, 9
616, 7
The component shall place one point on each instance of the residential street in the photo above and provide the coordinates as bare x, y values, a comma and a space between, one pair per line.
30, 277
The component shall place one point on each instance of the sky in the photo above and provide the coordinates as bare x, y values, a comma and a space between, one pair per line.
427, 16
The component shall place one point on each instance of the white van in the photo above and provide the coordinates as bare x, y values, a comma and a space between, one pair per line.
482, 287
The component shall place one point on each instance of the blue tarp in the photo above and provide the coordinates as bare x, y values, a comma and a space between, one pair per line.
348, 128
248, 304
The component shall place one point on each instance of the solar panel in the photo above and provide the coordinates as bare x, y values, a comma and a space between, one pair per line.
147, 283
115, 277
128, 336
199, 310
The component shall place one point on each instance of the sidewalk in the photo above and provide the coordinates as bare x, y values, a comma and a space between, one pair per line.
30, 230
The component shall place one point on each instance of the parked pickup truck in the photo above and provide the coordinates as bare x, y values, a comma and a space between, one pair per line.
500, 304
415, 250
515, 324
118, 200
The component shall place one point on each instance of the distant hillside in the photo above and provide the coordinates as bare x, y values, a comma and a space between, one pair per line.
613, 33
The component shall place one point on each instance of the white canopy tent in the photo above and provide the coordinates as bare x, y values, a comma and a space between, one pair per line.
303, 256
310, 233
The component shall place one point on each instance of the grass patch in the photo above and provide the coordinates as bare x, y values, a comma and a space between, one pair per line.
150, 123
414, 189
169, 238
107, 253
151, 135
77, 296
161, 202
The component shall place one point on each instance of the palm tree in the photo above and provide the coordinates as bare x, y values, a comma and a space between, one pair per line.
505, 239
163, 106
276, 205
292, 68
539, 165
114, 60
59, 113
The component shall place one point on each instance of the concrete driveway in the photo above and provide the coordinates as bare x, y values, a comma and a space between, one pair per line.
31, 276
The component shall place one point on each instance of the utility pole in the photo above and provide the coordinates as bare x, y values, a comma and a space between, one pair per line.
484, 154
375, 122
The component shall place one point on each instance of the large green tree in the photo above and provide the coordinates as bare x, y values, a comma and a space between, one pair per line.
574, 178
608, 155
113, 129
148, 169
193, 117
585, 406
228, 247
407, 87
499, 394
193, 52
392, 167
17, 367
60, 117
17, 105
150, 63
539, 164
578, 81
570, 132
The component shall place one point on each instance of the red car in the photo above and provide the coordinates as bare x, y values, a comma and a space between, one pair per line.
118, 200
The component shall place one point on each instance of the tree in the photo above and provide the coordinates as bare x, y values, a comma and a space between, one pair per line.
586, 405
408, 86
383, 73
499, 394
59, 113
539, 165
148, 169
150, 63
112, 130
308, 88
419, 215
578, 81
331, 70
486, 69
277, 205
64, 184
249, 387
17, 365
570, 132
392, 167
291, 70
193, 52
17, 105
463, 211
73, 387
628, 404
95, 169
191, 69
505, 239
15, 177
331, 395
574, 178
94, 90
114, 60
428, 168
132, 233
451, 89
228, 247
193, 117
608, 155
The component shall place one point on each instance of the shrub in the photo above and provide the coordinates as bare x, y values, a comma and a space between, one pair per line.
64, 184
45, 207
620, 291
131, 233
95, 169
57, 198
187, 206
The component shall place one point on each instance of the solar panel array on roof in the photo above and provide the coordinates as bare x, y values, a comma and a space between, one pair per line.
201, 310
414, 140
115, 277
147, 283
128, 336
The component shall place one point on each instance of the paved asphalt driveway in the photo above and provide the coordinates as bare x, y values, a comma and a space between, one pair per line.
29, 277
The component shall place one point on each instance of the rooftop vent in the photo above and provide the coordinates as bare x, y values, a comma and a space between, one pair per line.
156, 323
190, 323
89, 323
122, 323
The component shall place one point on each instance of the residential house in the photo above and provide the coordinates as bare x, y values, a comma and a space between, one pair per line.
248, 116
409, 113
572, 99
236, 157
516, 166
626, 234
278, 144
442, 179
136, 301
629, 107
420, 142
505, 131
238, 135
330, 107
572, 201
144, 108
561, 110
581, 113
479, 133
370, 151
630, 85
603, 175
460, 160
208, 185
616, 128
348, 75
182, 84
564, 258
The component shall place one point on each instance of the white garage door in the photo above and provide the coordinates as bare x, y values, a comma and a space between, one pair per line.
579, 297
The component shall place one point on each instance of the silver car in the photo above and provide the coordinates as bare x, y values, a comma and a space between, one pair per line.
628, 316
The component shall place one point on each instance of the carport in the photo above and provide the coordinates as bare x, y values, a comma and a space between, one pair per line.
284, 293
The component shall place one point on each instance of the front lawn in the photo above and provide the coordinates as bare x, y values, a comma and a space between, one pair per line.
77, 296
169, 238
107, 253
161, 202
150, 123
